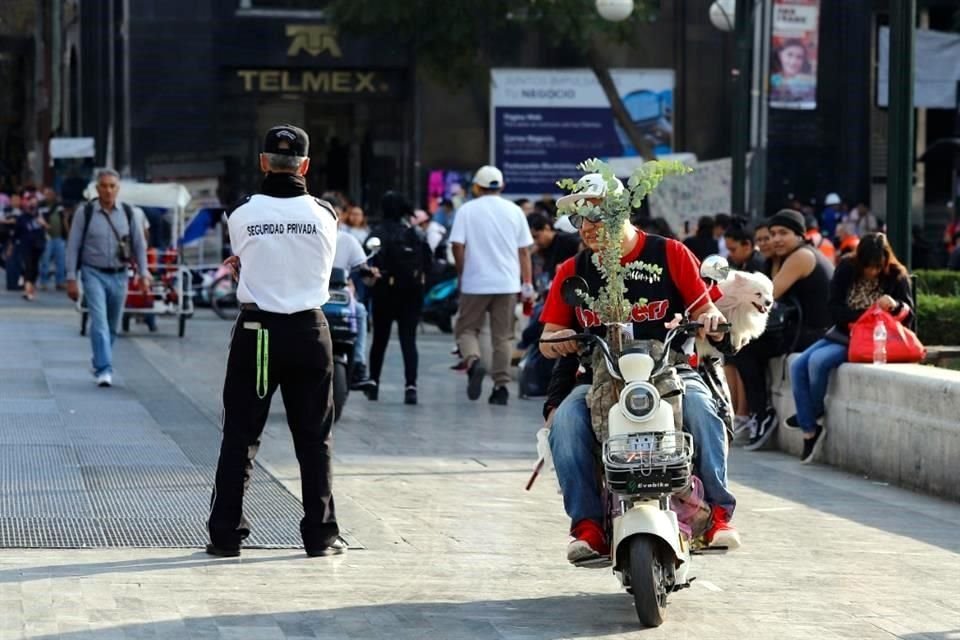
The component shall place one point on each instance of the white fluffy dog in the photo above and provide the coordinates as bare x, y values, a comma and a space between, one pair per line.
746, 302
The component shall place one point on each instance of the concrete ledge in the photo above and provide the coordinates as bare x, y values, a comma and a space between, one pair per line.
898, 423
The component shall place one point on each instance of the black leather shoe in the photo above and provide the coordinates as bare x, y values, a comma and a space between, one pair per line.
372, 391
336, 547
499, 396
223, 552
410, 395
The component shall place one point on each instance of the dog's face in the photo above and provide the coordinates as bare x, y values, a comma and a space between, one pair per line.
749, 288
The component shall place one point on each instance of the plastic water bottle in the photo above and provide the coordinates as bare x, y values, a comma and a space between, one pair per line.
880, 344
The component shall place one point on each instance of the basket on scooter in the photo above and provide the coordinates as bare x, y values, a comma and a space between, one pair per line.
651, 463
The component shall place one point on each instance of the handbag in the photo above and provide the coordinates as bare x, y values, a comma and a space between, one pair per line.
836, 336
903, 345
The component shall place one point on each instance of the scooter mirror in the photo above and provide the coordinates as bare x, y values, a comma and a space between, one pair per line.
572, 290
373, 244
715, 268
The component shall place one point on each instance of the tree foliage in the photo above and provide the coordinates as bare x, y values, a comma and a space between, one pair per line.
458, 39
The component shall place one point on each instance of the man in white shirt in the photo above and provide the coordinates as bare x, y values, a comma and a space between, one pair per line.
350, 255
491, 247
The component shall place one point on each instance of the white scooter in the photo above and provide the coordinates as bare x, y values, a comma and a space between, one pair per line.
646, 461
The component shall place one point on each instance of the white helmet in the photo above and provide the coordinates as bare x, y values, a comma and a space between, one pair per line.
591, 185
832, 198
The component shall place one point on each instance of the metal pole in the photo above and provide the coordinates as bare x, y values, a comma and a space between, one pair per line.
127, 127
903, 15
741, 107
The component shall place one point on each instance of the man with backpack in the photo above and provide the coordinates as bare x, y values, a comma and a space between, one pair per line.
104, 237
491, 246
404, 260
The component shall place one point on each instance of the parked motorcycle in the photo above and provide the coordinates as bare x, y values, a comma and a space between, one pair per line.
442, 298
647, 461
341, 314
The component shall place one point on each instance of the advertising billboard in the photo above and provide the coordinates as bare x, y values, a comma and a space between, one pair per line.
794, 47
546, 121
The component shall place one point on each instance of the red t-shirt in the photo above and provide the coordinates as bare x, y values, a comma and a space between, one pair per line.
682, 267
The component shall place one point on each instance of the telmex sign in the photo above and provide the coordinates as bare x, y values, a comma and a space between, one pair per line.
294, 81
313, 39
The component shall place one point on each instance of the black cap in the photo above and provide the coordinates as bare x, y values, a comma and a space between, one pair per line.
287, 140
789, 219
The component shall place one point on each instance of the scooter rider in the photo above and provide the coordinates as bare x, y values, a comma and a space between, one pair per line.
572, 440
284, 241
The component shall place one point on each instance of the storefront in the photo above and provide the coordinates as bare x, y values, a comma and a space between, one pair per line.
352, 97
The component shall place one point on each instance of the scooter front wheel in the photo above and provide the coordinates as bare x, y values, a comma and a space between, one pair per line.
648, 580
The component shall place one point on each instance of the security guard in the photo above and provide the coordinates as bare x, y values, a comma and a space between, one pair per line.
285, 241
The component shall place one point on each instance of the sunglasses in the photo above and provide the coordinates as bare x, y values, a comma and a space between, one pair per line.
577, 219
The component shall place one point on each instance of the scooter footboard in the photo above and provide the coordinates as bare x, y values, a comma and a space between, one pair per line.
650, 521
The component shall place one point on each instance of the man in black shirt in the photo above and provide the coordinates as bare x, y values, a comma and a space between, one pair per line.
743, 255
553, 247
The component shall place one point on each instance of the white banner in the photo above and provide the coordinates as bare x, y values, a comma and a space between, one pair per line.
936, 65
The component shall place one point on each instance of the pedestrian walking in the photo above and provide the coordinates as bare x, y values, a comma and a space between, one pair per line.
57, 216
491, 247
404, 260
104, 238
31, 237
284, 242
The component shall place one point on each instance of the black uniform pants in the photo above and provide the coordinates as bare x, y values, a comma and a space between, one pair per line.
295, 355
404, 307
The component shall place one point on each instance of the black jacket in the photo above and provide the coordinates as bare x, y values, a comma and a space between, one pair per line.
897, 287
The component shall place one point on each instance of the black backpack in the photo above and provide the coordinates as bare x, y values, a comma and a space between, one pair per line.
403, 256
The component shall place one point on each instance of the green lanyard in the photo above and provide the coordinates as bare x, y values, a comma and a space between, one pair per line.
263, 362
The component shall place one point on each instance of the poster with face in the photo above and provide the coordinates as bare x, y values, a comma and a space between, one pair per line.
793, 58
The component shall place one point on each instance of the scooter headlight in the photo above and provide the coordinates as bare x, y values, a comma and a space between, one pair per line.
639, 401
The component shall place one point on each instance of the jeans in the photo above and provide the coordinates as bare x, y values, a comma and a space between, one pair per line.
104, 294
574, 448
809, 375
55, 250
14, 267
360, 344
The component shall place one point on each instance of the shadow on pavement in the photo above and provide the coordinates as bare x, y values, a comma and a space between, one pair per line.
897, 511
87, 569
548, 618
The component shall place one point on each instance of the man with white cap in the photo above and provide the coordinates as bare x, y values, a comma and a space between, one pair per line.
573, 442
491, 247
831, 215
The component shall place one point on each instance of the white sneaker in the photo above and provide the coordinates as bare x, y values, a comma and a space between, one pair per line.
104, 380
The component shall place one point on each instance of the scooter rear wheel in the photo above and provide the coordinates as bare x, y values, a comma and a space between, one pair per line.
648, 580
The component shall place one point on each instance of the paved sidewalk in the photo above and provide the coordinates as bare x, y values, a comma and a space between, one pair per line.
452, 545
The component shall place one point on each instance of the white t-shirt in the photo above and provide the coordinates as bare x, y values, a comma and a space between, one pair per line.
492, 230
349, 251
286, 248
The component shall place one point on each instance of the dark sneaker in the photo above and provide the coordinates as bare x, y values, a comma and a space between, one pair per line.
335, 547
766, 426
587, 542
500, 396
811, 446
410, 395
372, 391
722, 534
359, 380
223, 552
475, 374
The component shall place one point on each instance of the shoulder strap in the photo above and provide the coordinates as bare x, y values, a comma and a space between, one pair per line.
127, 209
87, 216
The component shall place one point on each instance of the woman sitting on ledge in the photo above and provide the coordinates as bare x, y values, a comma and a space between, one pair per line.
873, 275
